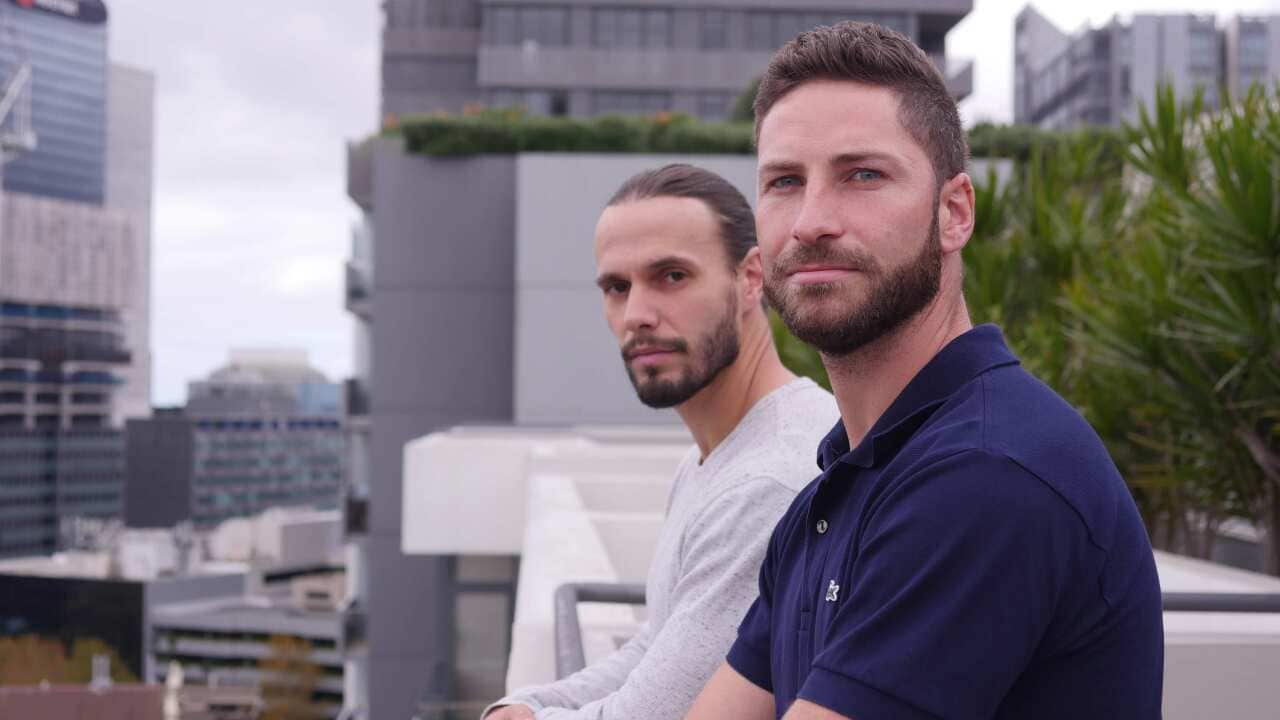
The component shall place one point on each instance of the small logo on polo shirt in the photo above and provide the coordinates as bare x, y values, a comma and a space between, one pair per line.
833, 592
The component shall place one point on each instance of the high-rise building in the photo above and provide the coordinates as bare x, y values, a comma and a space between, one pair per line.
75, 233
1102, 76
592, 57
67, 50
472, 307
130, 159
1252, 52
263, 431
75, 228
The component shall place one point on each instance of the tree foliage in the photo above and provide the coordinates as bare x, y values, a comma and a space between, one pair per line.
289, 679
32, 659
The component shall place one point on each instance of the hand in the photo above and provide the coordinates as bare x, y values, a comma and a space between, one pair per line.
511, 712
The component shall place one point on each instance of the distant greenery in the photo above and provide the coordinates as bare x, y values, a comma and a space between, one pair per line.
744, 107
1138, 273
511, 130
289, 679
32, 659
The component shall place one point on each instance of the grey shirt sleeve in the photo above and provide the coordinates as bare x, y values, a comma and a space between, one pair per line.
588, 684
719, 564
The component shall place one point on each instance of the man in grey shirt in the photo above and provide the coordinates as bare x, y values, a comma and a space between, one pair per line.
683, 292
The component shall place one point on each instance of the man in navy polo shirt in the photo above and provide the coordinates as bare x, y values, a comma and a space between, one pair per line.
970, 550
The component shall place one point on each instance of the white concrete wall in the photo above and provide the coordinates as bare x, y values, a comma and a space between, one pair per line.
1219, 665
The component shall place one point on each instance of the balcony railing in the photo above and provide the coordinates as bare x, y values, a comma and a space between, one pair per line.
358, 290
512, 491
356, 397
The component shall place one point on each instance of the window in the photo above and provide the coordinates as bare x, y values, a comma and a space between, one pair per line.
452, 13
501, 26
609, 102
760, 31
715, 105
788, 25
715, 30
631, 28
508, 26
1204, 51
1253, 49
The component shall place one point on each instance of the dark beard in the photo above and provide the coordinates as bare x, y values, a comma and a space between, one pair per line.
718, 350
894, 298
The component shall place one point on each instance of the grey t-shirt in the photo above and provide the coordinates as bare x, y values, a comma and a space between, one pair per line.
705, 567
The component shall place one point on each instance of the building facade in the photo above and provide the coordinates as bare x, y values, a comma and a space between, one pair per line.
75, 228
68, 57
238, 641
1104, 75
594, 57
89, 595
49, 476
264, 431
1252, 47
75, 233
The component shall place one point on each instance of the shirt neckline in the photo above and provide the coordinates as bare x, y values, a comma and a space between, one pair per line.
974, 352
772, 398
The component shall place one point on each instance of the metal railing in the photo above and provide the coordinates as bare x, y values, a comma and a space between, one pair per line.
1222, 602
570, 657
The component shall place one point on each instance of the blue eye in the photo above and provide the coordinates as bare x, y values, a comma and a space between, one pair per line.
866, 175
785, 182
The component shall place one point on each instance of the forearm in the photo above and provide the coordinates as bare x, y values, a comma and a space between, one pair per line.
729, 696
805, 710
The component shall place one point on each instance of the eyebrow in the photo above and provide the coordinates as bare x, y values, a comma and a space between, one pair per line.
606, 279
848, 158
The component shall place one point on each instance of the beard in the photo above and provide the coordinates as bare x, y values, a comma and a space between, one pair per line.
893, 297
715, 351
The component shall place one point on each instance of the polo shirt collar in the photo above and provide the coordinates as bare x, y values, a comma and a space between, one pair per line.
964, 358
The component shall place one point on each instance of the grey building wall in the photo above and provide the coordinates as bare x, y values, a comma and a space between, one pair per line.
1182, 50
567, 366
159, 461
130, 161
163, 591
1105, 75
588, 57
442, 347
1252, 49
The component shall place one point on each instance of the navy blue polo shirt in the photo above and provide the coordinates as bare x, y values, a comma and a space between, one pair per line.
977, 555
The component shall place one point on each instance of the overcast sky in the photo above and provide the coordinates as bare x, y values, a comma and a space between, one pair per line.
254, 102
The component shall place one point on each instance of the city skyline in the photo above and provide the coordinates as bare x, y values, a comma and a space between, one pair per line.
251, 230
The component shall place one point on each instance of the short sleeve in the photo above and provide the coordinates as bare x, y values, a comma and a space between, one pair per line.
952, 587
750, 653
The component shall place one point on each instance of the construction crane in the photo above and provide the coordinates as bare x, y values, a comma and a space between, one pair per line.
16, 135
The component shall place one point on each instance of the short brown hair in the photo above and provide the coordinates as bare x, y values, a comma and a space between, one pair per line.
874, 55
737, 223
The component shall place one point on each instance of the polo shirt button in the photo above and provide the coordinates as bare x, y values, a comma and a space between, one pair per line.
822, 527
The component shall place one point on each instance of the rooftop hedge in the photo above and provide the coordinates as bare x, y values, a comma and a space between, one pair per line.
507, 131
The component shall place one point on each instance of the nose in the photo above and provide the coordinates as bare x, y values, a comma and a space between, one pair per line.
640, 313
818, 220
